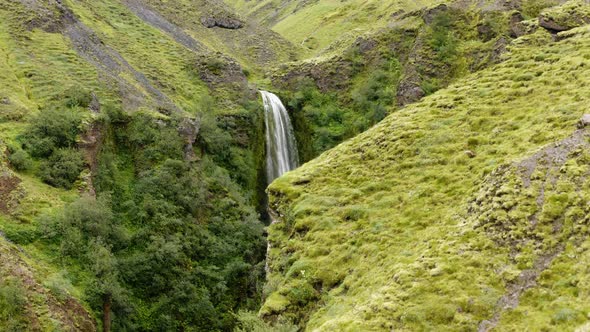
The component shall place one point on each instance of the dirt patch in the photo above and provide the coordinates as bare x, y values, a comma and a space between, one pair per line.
506, 189
553, 156
9, 191
526, 280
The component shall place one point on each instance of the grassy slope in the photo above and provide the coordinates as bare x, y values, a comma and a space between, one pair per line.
375, 233
252, 45
317, 24
38, 67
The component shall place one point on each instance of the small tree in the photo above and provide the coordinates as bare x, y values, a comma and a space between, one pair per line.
51, 130
63, 168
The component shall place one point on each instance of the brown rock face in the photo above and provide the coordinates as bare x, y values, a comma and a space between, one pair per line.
221, 22
9, 184
516, 27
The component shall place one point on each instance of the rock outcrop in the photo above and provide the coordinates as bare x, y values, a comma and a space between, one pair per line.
221, 22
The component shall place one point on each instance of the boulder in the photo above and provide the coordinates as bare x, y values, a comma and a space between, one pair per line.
221, 22
517, 29
470, 154
571, 15
584, 121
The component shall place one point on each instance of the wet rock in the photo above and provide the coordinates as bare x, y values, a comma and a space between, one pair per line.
409, 93
327, 76
551, 25
5, 101
409, 90
365, 45
499, 49
221, 22
10, 191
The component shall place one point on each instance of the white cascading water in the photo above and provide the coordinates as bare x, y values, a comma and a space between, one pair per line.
281, 146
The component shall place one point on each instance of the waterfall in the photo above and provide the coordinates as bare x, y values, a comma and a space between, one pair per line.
281, 147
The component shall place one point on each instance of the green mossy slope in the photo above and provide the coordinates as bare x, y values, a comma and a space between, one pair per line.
316, 24
377, 234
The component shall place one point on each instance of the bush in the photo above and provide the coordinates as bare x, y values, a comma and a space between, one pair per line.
59, 285
12, 305
51, 130
77, 97
442, 40
154, 140
63, 168
20, 160
250, 322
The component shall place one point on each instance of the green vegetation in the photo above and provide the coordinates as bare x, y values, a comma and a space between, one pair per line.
532, 8
12, 305
335, 98
330, 120
132, 183
378, 233
133, 209
317, 24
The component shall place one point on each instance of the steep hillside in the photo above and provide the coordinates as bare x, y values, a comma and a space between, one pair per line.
465, 211
355, 84
316, 24
132, 165
131, 154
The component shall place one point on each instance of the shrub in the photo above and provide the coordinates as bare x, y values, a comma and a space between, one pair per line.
250, 322
442, 41
12, 305
20, 160
59, 285
51, 130
63, 168
77, 97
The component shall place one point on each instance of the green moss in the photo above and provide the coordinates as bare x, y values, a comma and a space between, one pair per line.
413, 251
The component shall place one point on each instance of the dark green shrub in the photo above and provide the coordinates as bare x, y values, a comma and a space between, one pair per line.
20, 160
442, 40
62, 168
153, 140
21, 233
430, 86
77, 97
51, 130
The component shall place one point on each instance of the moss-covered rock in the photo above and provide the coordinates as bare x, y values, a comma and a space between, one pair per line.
572, 14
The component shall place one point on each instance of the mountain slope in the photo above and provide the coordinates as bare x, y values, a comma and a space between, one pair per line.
378, 233
316, 24
125, 137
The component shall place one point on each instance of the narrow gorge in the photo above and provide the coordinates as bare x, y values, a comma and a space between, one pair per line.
285, 165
